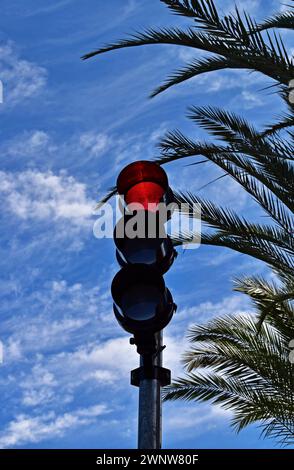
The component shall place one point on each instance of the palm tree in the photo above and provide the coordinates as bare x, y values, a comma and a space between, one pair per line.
246, 359
243, 368
243, 363
261, 162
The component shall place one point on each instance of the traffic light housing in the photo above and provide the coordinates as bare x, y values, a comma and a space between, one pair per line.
142, 304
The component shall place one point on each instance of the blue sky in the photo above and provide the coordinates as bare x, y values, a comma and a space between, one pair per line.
67, 128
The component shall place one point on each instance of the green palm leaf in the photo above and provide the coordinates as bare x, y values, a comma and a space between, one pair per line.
245, 369
281, 20
197, 67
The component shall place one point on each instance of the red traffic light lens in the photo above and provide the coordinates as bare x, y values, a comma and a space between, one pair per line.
146, 194
143, 183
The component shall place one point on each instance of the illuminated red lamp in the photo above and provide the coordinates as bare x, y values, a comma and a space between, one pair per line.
143, 183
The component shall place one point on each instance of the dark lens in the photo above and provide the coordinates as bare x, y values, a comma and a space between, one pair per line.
141, 250
141, 301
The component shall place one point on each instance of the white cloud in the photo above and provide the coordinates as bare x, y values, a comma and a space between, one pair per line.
158, 133
68, 352
13, 350
95, 366
284, 7
225, 191
21, 78
130, 7
172, 355
251, 100
25, 428
250, 6
47, 9
115, 356
70, 356
110, 361
94, 143
199, 417
41, 146
37, 397
234, 304
232, 79
221, 258
188, 54
54, 317
39, 195
28, 144
39, 387
104, 376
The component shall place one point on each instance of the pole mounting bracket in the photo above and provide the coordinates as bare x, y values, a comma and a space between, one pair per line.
161, 374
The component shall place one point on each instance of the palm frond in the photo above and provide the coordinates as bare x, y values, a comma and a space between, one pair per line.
242, 369
182, 8
228, 223
221, 123
173, 36
283, 20
245, 50
273, 303
244, 138
269, 254
197, 67
112, 192
270, 195
284, 122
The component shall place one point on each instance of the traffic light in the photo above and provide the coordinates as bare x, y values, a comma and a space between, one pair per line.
143, 305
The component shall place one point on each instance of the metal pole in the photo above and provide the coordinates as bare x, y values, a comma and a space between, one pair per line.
149, 426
